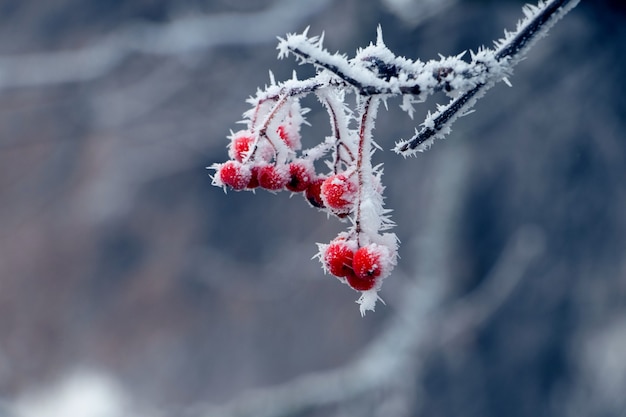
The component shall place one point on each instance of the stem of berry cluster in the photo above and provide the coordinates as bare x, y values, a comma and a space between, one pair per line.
280, 149
343, 156
364, 163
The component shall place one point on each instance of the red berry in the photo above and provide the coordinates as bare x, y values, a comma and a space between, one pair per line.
254, 178
240, 145
313, 191
301, 174
338, 192
338, 258
360, 284
367, 262
272, 178
234, 174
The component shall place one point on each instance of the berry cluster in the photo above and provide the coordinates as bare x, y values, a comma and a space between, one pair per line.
243, 172
268, 154
359, 267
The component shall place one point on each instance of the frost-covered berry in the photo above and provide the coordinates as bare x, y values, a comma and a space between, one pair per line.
273, 177
240, 145
234, 174
370, 261
338, 258
313, 193
254, 178
360, 283
338, 193
301, 174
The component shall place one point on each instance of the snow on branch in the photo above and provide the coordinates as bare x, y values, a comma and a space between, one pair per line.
509, 51
268, 152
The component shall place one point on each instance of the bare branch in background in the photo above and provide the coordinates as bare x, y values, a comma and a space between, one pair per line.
181, 36
415, 12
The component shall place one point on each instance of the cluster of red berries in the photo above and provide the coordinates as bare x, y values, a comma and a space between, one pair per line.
336, 192
297, 176
360, 267
242, 172
268, 155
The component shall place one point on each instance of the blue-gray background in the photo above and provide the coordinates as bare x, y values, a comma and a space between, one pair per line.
119, 259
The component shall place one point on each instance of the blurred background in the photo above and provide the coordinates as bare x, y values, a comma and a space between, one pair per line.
131, 286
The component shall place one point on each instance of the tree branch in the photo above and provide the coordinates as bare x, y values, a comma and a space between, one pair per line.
509, 51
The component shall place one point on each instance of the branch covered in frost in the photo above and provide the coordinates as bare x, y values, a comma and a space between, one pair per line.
375, 70
268, 152
509, 51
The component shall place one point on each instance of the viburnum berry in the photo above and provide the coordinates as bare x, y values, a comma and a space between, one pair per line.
272, 177
313, 193
240, 145
301, 174
369, 261
233, 174
338, 193
360, 283
337, 258
254, 178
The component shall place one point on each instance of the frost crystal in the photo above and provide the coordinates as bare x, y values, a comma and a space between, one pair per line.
268, 154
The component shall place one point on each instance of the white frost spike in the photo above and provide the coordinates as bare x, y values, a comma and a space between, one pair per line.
283, 47
379, 36
320, 42
467, 112
367, 301
407, 105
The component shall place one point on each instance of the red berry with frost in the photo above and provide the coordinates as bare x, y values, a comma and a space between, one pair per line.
240, 145
272, 177
301, 174
313, 193
338, 258
254, 178
338, 193
368, 262
360, 283
234, 174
